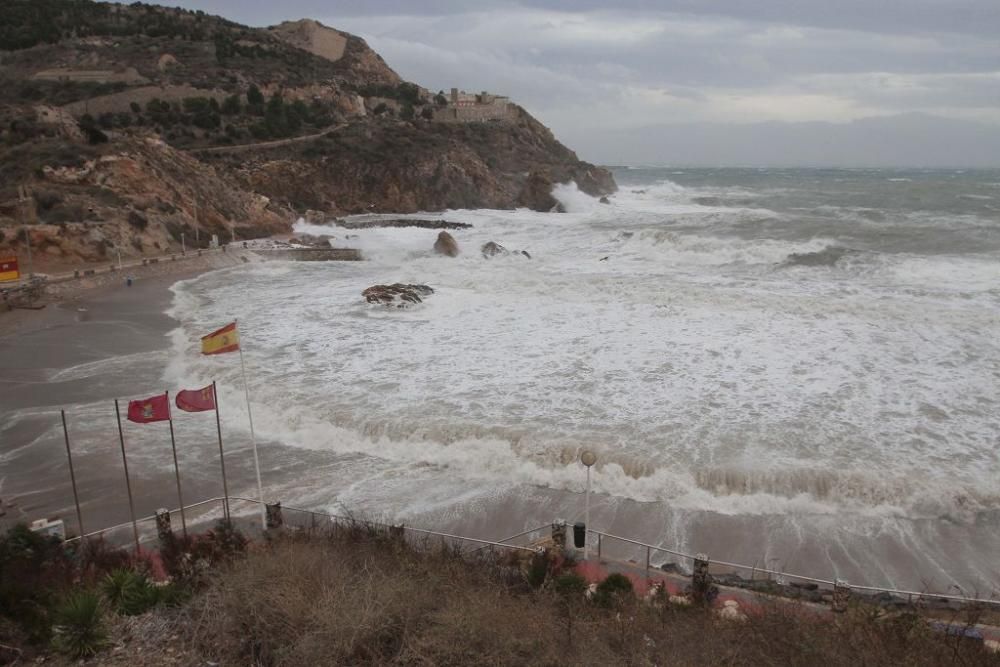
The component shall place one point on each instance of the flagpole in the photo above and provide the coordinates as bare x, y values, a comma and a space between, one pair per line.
72, 475
253, 438
222, 458
128, 485
177, 469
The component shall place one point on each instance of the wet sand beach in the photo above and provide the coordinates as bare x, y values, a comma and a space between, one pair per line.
87, 347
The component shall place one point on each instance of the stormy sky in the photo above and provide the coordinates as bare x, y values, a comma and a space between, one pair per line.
818, 82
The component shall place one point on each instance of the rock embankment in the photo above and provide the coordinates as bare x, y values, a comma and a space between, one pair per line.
401, 222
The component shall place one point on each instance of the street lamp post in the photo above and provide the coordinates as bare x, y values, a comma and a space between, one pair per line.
588, 459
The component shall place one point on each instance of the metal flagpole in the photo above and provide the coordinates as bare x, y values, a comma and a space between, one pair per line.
586, 520
72, 476
222, 458
128, 484
253, 438
177, 470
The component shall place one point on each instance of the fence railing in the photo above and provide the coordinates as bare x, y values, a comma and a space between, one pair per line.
313, 516
781, 574
316, 520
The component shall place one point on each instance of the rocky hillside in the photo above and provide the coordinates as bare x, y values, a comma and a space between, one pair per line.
126, 125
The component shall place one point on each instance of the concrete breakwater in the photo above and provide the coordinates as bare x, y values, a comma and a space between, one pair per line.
311, 254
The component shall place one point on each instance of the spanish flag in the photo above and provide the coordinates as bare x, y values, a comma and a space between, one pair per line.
226, 339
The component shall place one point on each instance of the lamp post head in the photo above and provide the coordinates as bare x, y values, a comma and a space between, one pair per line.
588, 458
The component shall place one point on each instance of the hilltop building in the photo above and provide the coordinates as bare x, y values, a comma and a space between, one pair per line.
481, 107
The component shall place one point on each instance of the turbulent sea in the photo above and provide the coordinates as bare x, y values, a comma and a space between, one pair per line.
799, 366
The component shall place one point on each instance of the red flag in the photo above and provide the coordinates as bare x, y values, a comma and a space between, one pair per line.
196, 400
155, 409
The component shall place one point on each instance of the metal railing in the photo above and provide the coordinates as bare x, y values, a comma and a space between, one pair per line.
313, 515
481, 544
408, 529
140, 520
918, 595
514, 537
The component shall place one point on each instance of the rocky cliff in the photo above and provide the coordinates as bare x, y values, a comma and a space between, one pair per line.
127, 126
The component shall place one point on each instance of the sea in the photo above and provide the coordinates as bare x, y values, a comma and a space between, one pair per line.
797, 369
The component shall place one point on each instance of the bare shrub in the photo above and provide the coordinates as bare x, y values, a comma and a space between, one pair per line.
360, 594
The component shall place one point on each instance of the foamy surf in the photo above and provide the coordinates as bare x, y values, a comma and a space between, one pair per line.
764, 360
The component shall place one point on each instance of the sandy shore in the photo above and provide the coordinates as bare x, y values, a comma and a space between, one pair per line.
86, 322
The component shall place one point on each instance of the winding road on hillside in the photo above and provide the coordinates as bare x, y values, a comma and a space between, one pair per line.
263, 145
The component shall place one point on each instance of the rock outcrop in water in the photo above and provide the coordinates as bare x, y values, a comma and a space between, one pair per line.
446, 245
537, 194
399, 295
492, 249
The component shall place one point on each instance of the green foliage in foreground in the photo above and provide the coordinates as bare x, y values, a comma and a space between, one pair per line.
129, 592
79, 626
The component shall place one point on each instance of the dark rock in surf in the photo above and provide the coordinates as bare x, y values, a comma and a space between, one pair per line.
313, 241
399, 295
446, 245
492, 249
604, 200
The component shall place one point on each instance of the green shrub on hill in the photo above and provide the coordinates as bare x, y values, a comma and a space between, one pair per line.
79, 626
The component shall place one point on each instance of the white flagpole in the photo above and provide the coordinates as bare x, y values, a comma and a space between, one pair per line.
253, 438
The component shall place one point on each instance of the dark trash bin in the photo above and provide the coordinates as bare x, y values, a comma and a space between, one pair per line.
579, 534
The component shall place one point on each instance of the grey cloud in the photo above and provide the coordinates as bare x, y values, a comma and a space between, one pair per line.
592, 71
981, 17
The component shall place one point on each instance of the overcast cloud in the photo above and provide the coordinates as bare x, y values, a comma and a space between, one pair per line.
614, 81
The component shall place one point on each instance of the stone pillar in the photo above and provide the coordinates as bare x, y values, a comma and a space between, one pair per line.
841, 595
163, 530
700, 583
273, 518
559, 535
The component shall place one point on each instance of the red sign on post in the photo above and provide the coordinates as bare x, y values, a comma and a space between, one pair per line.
8, 269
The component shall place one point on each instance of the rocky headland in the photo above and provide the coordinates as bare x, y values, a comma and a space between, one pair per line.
136, 129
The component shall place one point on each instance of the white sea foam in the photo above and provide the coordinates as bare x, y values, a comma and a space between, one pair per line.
708, 373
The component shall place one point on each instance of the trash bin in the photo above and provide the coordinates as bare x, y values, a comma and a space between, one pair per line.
579, 534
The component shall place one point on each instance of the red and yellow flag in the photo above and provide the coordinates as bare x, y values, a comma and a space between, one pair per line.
196, 400
155, 409
8, 269
226, 339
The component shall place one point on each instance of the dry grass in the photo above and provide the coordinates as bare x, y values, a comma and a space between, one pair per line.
358, 598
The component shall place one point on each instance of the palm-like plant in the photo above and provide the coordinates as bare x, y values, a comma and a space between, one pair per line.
129, 592
79, 626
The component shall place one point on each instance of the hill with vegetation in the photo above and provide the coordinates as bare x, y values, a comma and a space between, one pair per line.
230, 129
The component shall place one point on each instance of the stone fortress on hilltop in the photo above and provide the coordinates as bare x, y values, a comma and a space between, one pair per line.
466, 107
